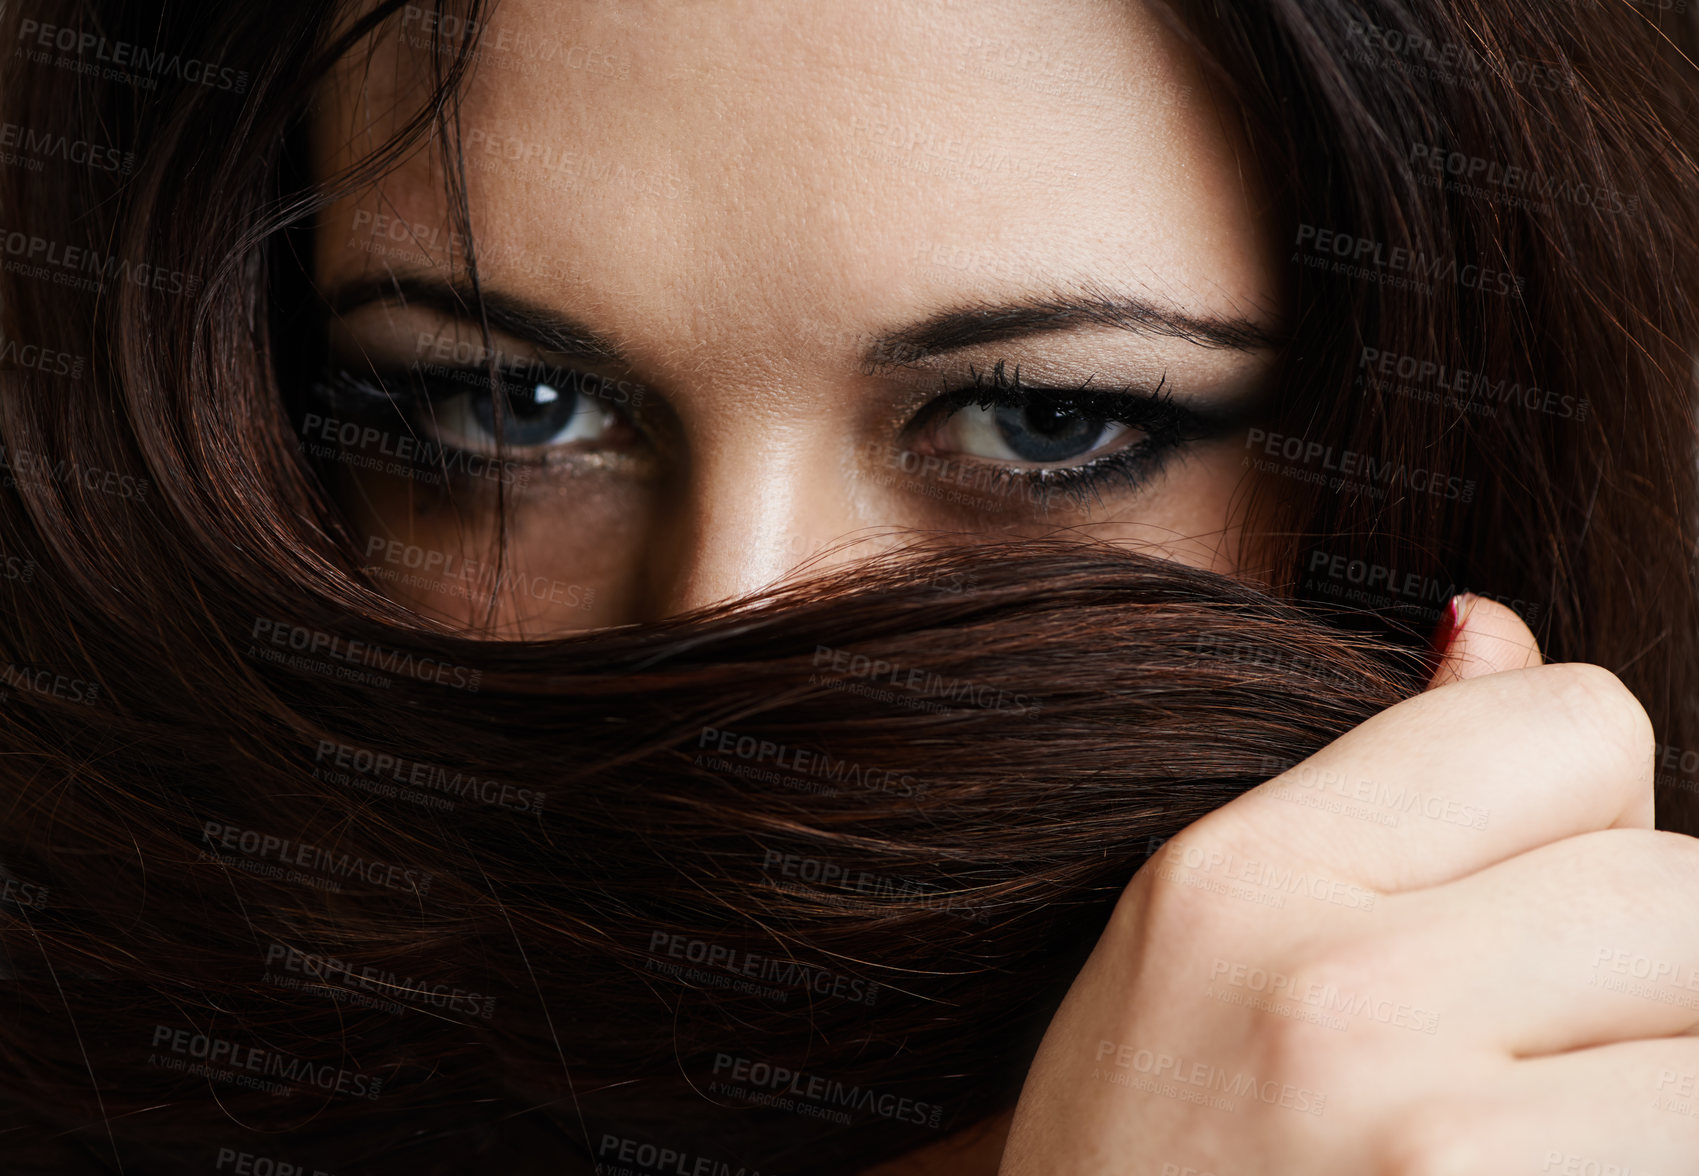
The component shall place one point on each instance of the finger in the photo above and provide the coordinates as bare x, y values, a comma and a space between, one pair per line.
1568, 946
1611, 1111
1477, 636
1627, 1109
1442, 785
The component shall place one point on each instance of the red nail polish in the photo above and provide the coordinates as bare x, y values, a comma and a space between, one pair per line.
1450, 621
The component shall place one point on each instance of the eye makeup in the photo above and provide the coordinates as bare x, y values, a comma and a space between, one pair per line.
1075, 440
1146, 426
555, 420
540, 406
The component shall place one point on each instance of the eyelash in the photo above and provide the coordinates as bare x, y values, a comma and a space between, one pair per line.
409, 392
407, 389
1169, 426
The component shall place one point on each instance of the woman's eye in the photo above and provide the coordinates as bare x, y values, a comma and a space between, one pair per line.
1032, 432
536, 415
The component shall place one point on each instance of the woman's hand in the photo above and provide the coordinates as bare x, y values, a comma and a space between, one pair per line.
1449, 942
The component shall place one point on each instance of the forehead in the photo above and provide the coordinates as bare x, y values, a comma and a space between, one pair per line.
737, 164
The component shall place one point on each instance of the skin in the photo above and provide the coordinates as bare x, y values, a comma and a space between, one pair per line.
764, 234
1493, 1020
747, 330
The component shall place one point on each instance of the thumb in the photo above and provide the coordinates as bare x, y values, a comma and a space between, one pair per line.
1477, 636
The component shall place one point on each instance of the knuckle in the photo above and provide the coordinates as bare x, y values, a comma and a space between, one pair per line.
1183, 898
1183, 865
1193, 848
1168, 894
1594, 702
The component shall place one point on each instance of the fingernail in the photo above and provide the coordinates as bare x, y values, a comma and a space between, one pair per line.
1450, 623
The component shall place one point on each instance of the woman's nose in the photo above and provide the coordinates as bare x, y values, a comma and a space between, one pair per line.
752, 509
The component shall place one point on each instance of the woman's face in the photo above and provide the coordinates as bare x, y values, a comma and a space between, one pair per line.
761, 276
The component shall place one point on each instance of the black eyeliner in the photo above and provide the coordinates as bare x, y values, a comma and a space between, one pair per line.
409, 388
1169, 425
1152, 410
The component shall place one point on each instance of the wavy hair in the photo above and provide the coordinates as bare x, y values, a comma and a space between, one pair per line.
293, 873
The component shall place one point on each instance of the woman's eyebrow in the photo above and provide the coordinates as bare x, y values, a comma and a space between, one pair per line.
989, 322
941, 333
513, 315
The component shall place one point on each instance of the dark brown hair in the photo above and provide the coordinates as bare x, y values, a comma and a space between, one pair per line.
481, 902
